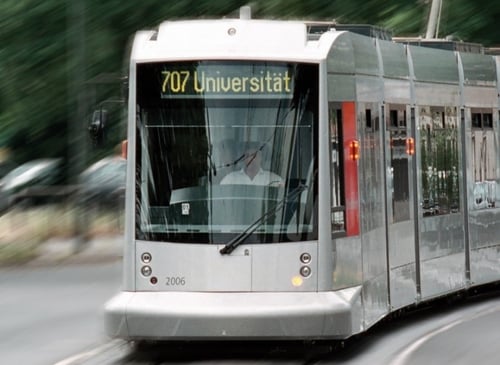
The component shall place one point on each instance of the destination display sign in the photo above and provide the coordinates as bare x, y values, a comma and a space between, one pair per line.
220, 80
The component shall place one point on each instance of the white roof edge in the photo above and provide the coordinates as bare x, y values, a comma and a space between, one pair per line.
231, 39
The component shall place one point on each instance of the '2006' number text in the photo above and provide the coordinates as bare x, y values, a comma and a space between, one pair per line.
175, 281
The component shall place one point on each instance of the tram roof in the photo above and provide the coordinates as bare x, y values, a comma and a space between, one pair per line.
244, 38
235, 38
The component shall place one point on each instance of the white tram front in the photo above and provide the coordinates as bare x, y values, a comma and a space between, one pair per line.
289, 180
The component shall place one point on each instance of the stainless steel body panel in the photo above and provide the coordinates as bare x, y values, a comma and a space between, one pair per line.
442, 275
348, 264
325, 247
442, 255
397, 91
480, 97
193, 268
484, 205
372, 204
218, 316
368, 89
399, 95
442, 95
375, 276
485, 246
190, 267
485, 264
402, 264
275, 267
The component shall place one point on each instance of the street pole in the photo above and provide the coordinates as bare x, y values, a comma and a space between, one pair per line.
77, 107
434, 18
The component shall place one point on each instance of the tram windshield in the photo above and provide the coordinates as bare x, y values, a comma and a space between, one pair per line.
222, 145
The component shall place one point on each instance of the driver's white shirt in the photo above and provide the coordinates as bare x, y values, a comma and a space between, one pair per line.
262, 178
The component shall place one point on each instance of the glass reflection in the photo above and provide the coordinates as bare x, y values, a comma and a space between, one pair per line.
439, 160
216, 155
484, 159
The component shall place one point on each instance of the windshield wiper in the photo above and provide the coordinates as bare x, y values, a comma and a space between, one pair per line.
239, 239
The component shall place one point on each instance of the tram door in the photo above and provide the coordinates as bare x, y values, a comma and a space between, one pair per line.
399, 154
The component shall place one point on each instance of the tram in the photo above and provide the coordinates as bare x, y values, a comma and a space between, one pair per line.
299, 180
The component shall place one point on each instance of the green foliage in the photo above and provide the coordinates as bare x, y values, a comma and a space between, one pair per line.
50, 57
33, 83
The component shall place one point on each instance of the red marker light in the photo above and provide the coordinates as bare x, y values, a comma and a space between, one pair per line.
410, 146
354, 150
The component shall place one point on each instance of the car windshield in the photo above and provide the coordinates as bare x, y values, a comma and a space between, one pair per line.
26, 172
222, 143
110, 171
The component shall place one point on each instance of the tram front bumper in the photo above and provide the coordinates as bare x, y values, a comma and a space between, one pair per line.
221, 316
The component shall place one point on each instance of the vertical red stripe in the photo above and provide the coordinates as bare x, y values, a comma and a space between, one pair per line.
350, 169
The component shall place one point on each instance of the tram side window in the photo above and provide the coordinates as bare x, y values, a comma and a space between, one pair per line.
399, 164
336, 168
439, 160
371, 170
484, 159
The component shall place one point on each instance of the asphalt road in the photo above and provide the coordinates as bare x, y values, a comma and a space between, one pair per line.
462, 332
50, 313
53, 315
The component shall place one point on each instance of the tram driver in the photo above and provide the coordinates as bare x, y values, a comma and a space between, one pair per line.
252, 172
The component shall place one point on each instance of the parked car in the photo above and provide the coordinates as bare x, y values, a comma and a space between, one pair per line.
6, 166
103, 183
34, 180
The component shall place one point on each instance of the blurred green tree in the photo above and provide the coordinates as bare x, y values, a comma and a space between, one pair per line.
38, 63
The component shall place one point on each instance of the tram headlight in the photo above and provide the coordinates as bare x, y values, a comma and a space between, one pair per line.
305, 271
305, 258
146, 257
146, 270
